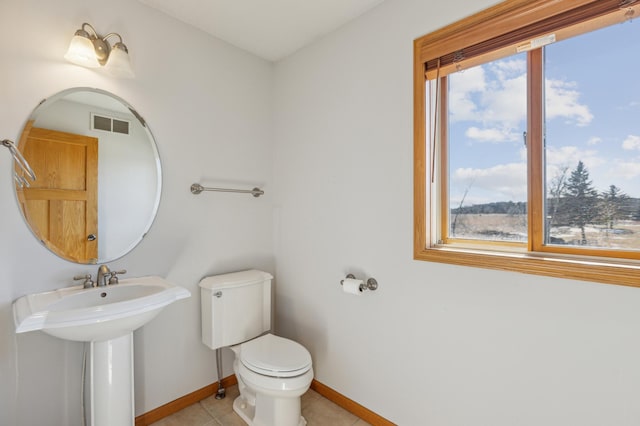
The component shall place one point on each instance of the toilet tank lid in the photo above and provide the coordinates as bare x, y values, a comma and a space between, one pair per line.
234, 279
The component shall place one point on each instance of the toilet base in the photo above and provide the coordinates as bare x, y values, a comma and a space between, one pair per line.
247, 412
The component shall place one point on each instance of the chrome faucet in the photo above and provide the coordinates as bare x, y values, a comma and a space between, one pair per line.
103, 274
107, 276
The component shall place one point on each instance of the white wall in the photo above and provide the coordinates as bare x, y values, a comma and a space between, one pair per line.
435, 344
209, 106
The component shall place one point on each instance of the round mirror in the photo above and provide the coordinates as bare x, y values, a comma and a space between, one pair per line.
98, 176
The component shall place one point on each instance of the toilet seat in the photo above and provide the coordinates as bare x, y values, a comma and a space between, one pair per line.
275, 356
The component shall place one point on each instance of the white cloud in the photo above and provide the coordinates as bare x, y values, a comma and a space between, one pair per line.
568, 156
467, 83
508, 68
506, 103
623, 173
505, 181
470, 80
490, 94
562, 101
632, 142
491, 135
594, 141
626, 170
603, 171
493, 95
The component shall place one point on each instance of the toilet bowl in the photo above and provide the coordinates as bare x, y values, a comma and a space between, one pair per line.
272, 372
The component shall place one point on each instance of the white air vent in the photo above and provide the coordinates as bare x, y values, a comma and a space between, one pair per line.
109, 124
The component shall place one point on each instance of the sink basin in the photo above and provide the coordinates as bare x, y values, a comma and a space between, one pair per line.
95, 314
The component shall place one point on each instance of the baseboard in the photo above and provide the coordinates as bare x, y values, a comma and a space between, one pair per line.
207, 391
350, 405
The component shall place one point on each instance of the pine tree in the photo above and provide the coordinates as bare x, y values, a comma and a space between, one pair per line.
581, 199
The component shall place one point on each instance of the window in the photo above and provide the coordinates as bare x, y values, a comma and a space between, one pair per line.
527, 140
487, 163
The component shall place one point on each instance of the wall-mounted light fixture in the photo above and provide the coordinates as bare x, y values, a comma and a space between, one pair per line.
88, 49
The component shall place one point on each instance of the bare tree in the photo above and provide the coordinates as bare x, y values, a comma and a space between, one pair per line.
556, 189
612, 205
455, 217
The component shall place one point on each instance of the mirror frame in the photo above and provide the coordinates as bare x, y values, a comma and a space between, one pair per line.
45, 103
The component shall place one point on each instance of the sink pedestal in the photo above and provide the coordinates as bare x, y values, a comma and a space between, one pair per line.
109, 382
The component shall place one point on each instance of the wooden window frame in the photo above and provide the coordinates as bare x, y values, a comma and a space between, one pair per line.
433, 53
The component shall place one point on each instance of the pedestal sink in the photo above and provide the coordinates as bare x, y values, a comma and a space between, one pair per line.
105, 318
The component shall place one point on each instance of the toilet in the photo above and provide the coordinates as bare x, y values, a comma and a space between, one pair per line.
272, 372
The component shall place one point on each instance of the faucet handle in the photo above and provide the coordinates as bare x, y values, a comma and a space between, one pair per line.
88, 282
113, 278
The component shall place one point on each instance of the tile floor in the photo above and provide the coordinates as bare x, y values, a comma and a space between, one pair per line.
318, 411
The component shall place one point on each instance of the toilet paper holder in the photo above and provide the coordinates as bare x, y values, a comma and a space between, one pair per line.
371, 283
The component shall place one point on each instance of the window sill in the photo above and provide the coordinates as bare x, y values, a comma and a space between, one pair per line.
600, 270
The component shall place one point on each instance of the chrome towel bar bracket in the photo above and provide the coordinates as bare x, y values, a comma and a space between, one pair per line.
196, 188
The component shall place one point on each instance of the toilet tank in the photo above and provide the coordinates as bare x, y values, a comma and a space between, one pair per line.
236, 307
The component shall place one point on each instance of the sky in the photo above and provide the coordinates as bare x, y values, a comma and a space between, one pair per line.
592, 114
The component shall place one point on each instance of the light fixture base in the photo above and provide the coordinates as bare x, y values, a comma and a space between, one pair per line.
102, 50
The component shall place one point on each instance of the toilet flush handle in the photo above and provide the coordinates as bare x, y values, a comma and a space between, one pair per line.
218, 294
